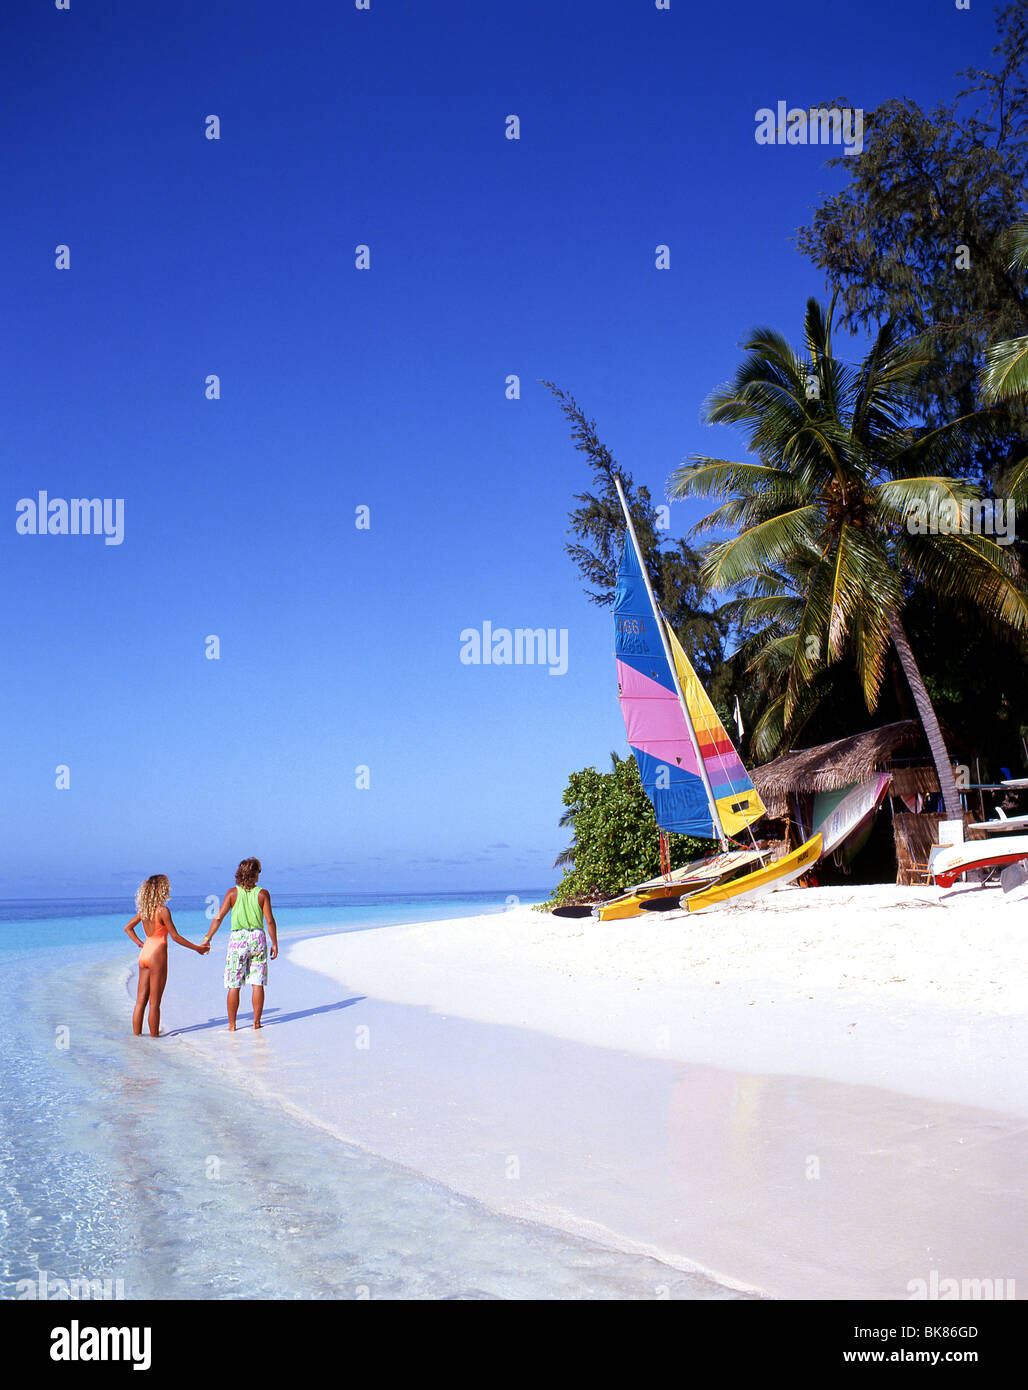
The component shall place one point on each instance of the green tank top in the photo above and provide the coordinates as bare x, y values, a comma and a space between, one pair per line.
246, 910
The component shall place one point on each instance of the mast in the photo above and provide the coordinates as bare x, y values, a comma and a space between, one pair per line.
673, 668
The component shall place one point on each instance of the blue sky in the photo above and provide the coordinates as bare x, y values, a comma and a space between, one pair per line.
381, 388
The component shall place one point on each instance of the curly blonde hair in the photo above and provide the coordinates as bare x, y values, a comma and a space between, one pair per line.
248, 873
151, 894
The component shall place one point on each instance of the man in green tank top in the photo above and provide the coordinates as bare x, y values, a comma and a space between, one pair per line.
247, 960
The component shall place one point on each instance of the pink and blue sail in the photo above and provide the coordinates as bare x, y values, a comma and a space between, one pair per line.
656, 725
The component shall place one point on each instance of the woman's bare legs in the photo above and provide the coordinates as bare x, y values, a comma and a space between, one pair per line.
158, 973
233, 1008
258, 1004
142, 995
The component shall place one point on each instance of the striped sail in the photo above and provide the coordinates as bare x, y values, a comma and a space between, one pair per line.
657, 730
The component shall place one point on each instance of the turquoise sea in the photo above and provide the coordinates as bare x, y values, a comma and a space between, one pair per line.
102, 1152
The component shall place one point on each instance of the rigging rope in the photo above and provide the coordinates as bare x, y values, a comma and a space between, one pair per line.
665, 856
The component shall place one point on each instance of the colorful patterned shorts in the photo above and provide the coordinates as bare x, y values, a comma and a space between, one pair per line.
247, 959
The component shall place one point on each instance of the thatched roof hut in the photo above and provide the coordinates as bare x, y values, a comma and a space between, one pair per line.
789, 785
898, 748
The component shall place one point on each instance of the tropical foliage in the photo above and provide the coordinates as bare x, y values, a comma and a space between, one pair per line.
920, 233
822, 549
598, 531
1005, 378
615, 835
849, 591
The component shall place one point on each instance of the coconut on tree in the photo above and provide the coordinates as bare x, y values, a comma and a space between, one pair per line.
848, 507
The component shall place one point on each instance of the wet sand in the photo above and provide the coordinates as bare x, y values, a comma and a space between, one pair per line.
788, 1181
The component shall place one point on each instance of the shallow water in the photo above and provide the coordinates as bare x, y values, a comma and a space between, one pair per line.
122, 1160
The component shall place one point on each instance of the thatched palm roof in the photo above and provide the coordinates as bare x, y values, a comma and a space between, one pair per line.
831, 766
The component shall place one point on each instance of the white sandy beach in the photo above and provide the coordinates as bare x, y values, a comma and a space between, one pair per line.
819, 1095
913, 989
816, 1095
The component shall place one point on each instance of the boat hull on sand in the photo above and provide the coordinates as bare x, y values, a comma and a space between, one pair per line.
978, 854
759, 881
683, 881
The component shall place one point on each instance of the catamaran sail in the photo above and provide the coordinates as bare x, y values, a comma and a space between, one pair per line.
658, 727
688, 765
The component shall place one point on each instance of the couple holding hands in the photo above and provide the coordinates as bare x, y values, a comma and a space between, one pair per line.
248, 950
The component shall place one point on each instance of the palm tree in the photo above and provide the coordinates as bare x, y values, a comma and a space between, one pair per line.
837, 521
767, 614
1006, 364
1005, 377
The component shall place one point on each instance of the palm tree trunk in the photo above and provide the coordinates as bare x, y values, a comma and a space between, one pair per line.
930, 724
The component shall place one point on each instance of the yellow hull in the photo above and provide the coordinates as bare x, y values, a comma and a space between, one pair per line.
761, 881
630, 904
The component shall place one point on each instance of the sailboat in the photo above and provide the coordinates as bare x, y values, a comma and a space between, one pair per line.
689, 768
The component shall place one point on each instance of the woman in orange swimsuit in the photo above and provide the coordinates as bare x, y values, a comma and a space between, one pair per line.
153, 956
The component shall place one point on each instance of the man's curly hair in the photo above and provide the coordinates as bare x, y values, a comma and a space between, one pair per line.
248, 873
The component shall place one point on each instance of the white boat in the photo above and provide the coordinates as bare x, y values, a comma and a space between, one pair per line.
950, 863
1002, 825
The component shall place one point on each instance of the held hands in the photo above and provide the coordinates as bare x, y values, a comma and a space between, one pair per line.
204, 948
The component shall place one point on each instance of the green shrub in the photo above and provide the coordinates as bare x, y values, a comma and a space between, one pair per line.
616, 840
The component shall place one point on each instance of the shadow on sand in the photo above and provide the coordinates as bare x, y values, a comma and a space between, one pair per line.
270, 1016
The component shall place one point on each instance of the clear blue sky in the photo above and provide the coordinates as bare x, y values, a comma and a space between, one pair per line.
383, 387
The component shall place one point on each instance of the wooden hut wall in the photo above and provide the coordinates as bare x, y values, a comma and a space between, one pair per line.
915, 836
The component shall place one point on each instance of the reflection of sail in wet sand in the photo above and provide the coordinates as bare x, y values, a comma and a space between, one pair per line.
797, 1179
